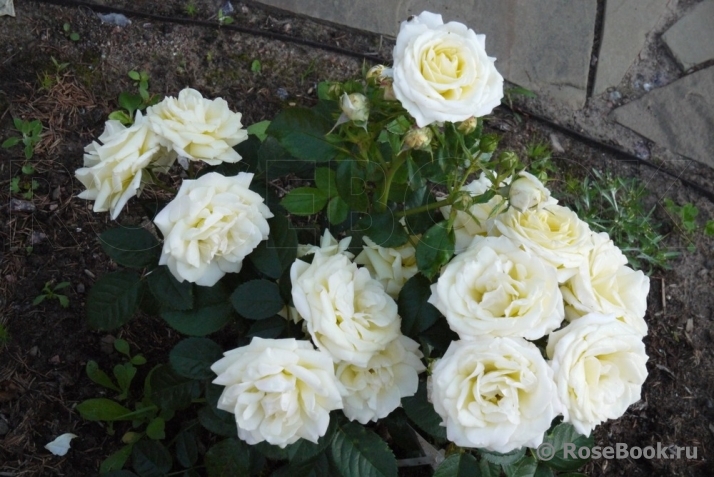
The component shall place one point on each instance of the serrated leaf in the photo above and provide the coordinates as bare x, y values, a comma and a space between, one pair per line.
325, 180
489, 469
211, 311
228, 458
302, 133
525, 467
562, 434
417, 314
337, 210
422, 413
503, 458
384, 229
113, 300
268, 328
132, 247
218, 421
458, 465
151, 459
257, 299
171, 391
544, 471
358, 452
259, 129
350, 183
100, 377
186, 447
168, 291
102, 409
435, 249
304, 201
155, 429
192, 358
116, 461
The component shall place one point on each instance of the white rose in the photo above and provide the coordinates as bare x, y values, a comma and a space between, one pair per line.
527, 191
599, 368
392, 267
442, 72
605, 284
478, 220
555, 233
279, 390
355, 106
373, 391
116, 170
198, 128
494, 393
212, 224
495, 288
347, 312
328, 246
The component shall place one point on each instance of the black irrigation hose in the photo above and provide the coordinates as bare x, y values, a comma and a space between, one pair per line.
619, 154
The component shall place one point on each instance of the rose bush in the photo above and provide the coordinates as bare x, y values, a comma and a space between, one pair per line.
211, 226
494, 393
442, 72
279, 390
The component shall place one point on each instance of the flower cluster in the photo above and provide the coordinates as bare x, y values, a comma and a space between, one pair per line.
521, 270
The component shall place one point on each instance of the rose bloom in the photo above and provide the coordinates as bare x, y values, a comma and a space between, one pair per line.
494, 393
279, 390
392, 267
527, 192
478, 220
329, 245
442, 72
554, 233
212, 224
605, 284
115, 170
347, 312
599, 368
371, 392
495, 288
198, 128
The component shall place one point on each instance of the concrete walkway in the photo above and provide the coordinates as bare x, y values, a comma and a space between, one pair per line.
647, 65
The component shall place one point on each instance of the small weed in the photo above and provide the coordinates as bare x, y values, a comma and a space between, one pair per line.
539, 163
310, 69
224, 19
49, 292
4, 336
685, 218
256, 67
142, 82
69, 32
31, 131
190, 9
130, 102
48, 80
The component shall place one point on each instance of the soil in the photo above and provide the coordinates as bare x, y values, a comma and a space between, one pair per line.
52, 236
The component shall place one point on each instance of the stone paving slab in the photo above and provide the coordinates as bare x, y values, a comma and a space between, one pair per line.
691, 39
625, 27
679, 116
542, 45
7, 8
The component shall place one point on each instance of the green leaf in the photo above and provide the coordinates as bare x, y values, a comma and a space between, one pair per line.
134, 75
120, 473
132, 247
268, 328
384, 229
10, 142
544, 471
192, 358
270, 451
435, 249
172, 392
130, 102
100, 377
259, 129
422, 413
116, 461
257, 299
38, 299
507, 458
458, 465
358, 452
170, 292
122, 346
302, 132
276, 162
562, 434
74, 36
255, 66
350, 183
277, 254
218, 421
102, 409
151, 459
155, 429
120, 116
210, 313
337, 210
304, 201
112, 300
525, 467
228, 458
124, 373
709, 228
186, 447
325, 180
417, 314
489, 469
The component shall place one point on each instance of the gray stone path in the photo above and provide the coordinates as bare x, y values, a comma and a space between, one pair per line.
547, 47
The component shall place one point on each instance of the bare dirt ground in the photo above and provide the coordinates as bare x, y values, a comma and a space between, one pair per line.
52, 237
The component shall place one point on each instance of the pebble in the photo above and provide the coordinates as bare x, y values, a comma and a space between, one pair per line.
34, 350
17, 205
615, 96
282, 94
37, 237
56, 193
80, 288
89, 274
4, 428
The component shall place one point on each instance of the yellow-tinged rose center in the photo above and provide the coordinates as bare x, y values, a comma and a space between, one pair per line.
444, 65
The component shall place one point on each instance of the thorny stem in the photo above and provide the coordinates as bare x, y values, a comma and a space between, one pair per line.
394, 167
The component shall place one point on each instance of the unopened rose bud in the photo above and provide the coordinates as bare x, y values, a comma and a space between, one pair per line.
527, 192
375, 74
508, 160
468, 126
355, 106
418, 138
488, 143
335, 90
